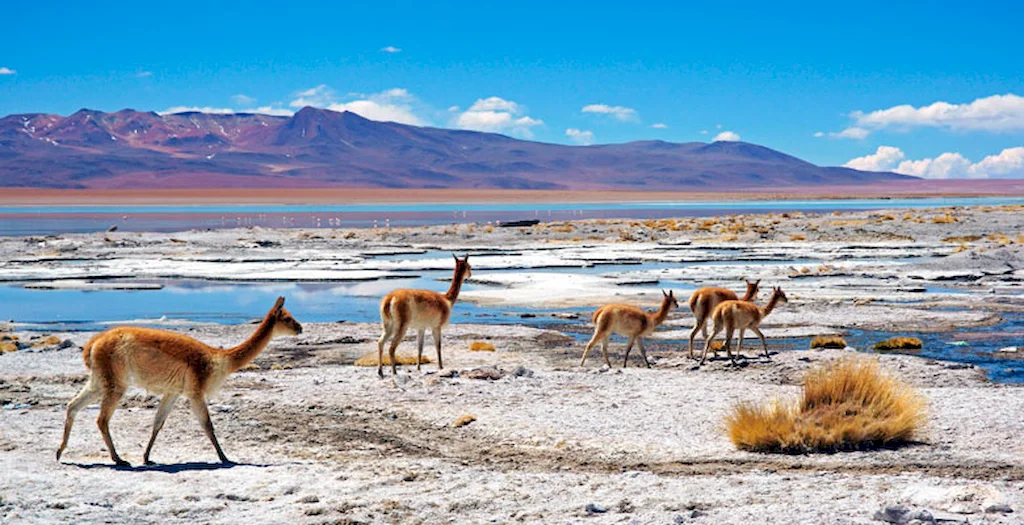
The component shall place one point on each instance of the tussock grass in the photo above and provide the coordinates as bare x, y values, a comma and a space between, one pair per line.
899, 343
798, 237
481, 346
828, 341
6, 348
848, 404
948, 218
961, 239
464, 420
371, 359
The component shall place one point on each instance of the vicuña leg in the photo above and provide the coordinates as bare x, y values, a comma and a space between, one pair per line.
707, 344
398, 336
203, 415
437, 344
693, 333
419, 347
729, 332
629, 346
739, 345
764, 344
643, 351
85, 396
593, 340
166, 404
384, 336
110, 399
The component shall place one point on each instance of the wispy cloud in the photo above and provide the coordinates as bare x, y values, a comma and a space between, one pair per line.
392, 105
143, 74
7, 71
618, 112
659, 125
584, 137
726, 136
852, 132
1009, 163
391, 49
243, 99
496, 114
262, 110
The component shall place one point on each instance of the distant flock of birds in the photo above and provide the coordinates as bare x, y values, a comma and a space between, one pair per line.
170, 364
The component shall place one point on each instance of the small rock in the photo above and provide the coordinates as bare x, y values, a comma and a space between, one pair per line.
449, 373
309, 499
697, 513
522, 371
112, 229
679, 519
898, 514
490, 373
625, 507
592, 508
1010, 349
999, 507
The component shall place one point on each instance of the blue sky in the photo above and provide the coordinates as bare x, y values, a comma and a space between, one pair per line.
775, 74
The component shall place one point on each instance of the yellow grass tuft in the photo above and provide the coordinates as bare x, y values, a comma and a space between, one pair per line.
464, 420
481, 346
828, 341
798, 237
6, 348
999, 238
371, 359
717, 345
948, 218
848, 404
47, 341
961, 239
899, 343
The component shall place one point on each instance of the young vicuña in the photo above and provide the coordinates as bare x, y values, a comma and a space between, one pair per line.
403, 309
740, 315
704, 301
629, 321
168, 364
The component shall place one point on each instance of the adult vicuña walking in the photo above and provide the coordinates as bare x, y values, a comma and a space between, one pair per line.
168, 364
704, 301
403, 309
733, 315
629, 321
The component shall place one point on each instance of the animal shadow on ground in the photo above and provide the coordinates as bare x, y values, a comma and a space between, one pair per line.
172, 468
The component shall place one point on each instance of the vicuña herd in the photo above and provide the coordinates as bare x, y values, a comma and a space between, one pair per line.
171, 365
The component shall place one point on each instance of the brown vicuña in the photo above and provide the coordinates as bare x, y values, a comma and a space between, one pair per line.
168, 364
704, 301
403, 309
741, 315
629, 321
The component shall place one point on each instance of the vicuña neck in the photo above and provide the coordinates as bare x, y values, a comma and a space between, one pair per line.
770, 306
662, 313
453, 291
751, 292
244, 353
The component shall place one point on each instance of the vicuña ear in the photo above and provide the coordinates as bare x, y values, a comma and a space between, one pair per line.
664, 294
278, 305
456, 257
466, 258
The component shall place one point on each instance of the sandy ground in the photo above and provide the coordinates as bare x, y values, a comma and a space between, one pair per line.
320, 441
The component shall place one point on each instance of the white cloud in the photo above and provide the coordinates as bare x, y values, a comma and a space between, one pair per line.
243, 100
997, 113
585, 137
618, 112
144, 74
453, 109
7, 71
392, 105
852, 132
270, 110
496, 114
726, 136
703, 132
884, 158
1009, 163
318, 97
391, 49
659, 125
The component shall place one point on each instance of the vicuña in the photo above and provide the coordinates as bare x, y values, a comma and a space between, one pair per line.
629, 321
403, 309
704, 301
167, 364
740, 315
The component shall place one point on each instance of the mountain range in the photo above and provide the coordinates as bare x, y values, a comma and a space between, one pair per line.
131, 149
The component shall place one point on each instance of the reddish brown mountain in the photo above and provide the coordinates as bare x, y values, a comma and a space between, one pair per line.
318, 148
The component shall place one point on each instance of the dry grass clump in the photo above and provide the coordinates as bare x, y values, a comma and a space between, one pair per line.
899, 343
481, 346
999, 238
828, 341
561, 228
848, 404
464, 420
8, 347
798, 237
961, 239
371, 359
948, 218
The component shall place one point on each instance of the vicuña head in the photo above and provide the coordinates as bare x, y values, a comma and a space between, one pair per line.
741, 315
704, 301
419, 310
629, 321
166, 363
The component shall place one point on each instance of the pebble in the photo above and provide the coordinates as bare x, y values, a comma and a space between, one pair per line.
522, 371
999, 507
592, 508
